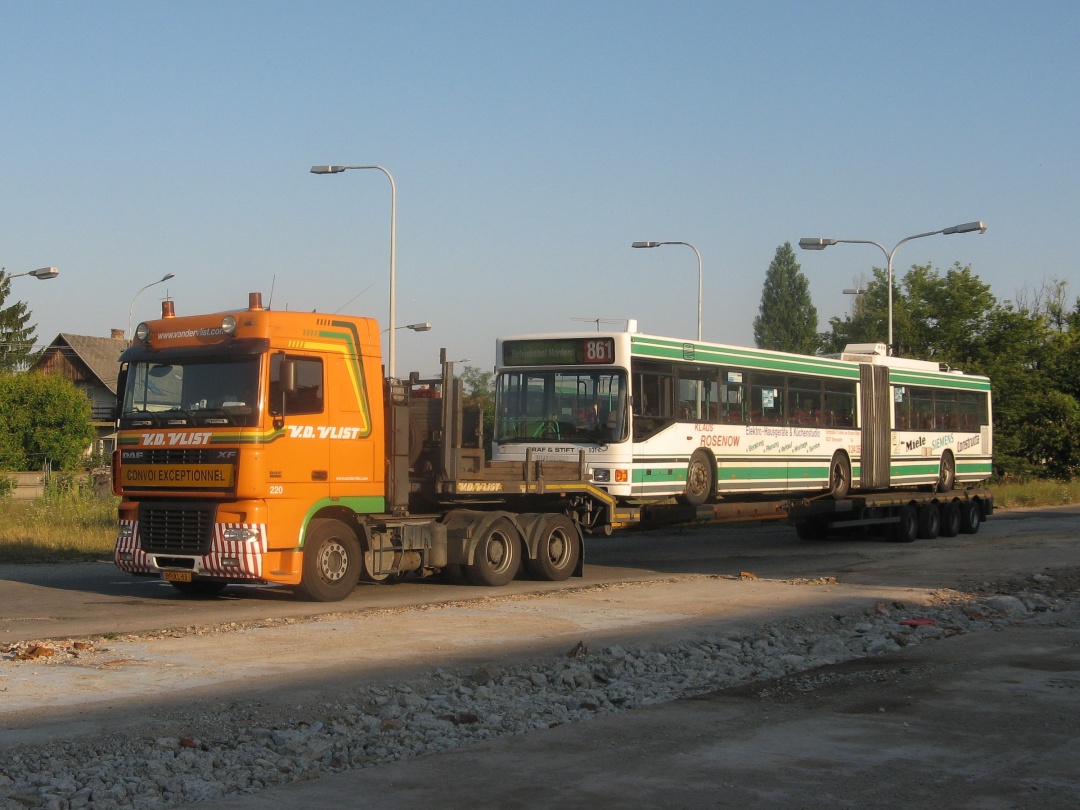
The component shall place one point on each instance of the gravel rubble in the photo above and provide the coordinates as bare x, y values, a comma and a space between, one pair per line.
246, 748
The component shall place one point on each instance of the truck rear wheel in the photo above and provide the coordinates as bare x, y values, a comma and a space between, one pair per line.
497, 556
558, 548
331, 565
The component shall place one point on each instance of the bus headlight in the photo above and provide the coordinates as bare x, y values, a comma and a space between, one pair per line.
601, 476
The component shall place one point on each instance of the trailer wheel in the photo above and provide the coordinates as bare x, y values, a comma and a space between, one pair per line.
929, 521
200, 587
558, 547
950, 519
970, 517
331, 565
946, 472
839, 476
497, 555
907, 528
700, 479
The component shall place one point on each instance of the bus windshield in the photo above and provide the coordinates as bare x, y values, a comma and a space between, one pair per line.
566, 406
200, 391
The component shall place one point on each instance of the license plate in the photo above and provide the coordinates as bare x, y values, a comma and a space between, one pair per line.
176, 576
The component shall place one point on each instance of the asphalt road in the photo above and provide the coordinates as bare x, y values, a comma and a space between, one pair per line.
65, 600
979, 721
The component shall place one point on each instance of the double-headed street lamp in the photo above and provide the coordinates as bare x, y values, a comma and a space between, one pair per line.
658, 244
392, 328
42, 273
131, 309
816, 243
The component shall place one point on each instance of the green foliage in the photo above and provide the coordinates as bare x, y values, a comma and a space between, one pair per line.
480, 392
42, 418
1030, 349
787, 319
16, 332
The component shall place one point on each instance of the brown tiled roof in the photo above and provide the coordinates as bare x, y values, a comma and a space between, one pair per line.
100, 355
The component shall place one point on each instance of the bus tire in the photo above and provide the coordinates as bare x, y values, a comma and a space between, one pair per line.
906, 529
970, 517
700, 479
497, 555
839, 476
946, 472
558, 548
950, 519
332, 561
929, 521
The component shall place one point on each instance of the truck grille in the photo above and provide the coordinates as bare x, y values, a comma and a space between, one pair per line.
176, 528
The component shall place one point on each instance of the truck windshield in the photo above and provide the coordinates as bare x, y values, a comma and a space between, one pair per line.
564, 406
202, 391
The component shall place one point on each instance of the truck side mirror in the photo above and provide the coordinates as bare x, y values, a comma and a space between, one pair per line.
288, 376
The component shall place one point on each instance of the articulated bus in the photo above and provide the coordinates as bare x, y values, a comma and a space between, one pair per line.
660, 417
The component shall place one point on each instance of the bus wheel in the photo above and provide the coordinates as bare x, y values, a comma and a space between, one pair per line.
929, 521
700, 479
907, 528
497, 556
839, 476
946, 473
950, 519
558, 547
331, 565
970, 517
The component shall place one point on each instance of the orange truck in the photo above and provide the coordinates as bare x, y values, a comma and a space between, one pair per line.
266, 446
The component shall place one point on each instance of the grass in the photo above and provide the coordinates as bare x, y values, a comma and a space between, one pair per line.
60, 527
1036, 493
74, 527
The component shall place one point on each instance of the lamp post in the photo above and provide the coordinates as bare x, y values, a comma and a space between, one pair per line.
42, 273
699, 275
816, 243
392, 328
131, 309
415, 327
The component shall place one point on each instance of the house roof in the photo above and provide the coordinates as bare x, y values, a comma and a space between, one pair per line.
100, 355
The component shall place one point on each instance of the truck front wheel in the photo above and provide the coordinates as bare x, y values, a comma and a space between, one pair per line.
331, 564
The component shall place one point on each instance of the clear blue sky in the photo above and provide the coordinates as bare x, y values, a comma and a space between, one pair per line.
531, 143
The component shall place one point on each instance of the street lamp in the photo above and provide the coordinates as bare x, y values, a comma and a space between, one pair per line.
131, 309
814, 243
392, 328
416, 327
43, 273
658, 244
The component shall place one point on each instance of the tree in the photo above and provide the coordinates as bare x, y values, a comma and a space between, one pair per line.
43, 418
787, 319
16, 333
480, 393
